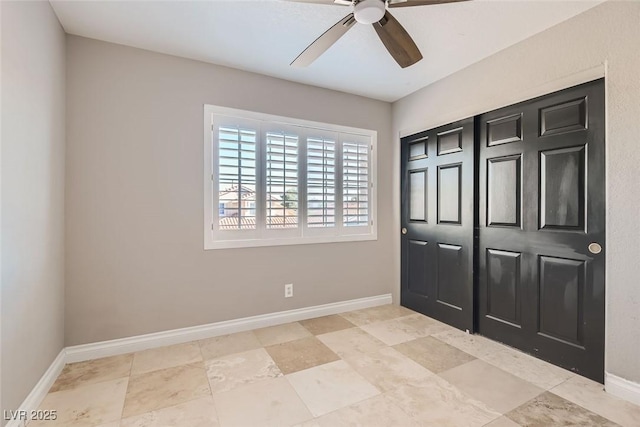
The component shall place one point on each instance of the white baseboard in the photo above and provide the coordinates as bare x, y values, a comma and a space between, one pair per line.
38, 393
622, 388
115, 347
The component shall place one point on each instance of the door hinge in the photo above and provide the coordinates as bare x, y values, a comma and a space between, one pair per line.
371, 222
212, 227
212, 178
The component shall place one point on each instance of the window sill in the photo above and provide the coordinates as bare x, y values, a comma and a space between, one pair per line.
255, 243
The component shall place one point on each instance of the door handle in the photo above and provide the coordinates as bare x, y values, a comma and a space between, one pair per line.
404, 230
595, 248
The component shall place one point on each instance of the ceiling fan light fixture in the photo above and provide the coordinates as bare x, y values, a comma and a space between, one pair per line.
369, 11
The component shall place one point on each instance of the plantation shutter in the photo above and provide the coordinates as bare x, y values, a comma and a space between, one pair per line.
355, 182
321, 182
281, 179
237, 178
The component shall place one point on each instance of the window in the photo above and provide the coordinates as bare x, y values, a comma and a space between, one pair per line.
278, 181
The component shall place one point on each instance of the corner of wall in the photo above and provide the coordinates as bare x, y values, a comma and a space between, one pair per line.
32, 197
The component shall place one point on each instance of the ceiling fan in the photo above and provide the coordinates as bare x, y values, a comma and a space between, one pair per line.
394, 37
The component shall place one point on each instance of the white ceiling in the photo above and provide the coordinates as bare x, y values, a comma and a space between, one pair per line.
265, 36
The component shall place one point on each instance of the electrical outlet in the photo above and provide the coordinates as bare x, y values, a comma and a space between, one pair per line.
288, 290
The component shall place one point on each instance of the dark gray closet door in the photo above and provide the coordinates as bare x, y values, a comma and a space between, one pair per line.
542, 227
437, 223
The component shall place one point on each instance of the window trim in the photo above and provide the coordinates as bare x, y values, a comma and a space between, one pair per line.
210, 171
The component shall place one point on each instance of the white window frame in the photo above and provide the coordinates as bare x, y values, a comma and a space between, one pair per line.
217, 239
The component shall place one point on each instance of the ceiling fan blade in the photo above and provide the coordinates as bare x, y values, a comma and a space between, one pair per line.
329, 2
324, 42
406, 3
397, 41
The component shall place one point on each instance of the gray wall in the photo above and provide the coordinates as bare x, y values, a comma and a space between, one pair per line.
32, 177
605, 39
135, 262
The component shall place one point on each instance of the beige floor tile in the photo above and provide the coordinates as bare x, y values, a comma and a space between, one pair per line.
229, 372
167, 387
351, 342
377, 411
551, 410
195, 413
270, 402
437, 403
88, 405
376, 314
165, 357
424, 325
433, 354
502, 422
112, 424
403, 329
93, 371
300, 354
388, 369
281, 333
475, 345
229, 344
498, 389
332, 386
591, 395
326, 324
391, 332
536, 371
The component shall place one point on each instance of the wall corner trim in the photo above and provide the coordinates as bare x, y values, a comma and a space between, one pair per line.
97, 350
622, 388
38, 393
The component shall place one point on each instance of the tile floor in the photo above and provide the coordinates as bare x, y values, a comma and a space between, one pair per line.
382, 366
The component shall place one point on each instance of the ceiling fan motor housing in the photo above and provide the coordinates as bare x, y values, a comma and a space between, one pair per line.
369, 11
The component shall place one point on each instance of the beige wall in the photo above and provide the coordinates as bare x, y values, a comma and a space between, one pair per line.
134, 251
32, 177
604, 38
